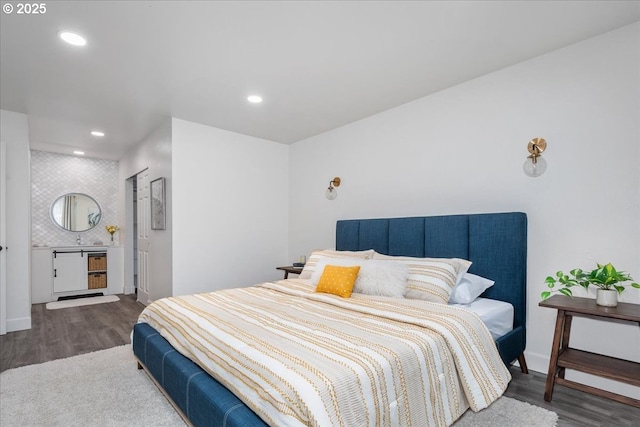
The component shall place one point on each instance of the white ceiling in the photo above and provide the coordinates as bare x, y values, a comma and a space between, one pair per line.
318, 65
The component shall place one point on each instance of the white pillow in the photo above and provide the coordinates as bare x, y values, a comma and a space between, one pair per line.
341, 262
462, 271
317, 255
382, 278
469, 288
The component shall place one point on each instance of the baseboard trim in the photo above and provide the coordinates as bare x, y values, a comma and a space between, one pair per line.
129, 290
537, 362
19, 324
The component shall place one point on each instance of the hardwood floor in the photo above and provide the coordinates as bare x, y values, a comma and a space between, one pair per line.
56, 334
67, 332
573, 407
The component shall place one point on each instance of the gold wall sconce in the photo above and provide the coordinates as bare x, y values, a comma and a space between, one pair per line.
332, 193
535, 165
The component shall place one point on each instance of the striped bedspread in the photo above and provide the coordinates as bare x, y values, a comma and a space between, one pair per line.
297, 357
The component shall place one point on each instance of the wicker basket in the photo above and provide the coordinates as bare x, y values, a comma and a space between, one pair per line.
97, 280
97, 262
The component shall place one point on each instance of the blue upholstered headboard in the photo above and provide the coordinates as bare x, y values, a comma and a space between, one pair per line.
496, 243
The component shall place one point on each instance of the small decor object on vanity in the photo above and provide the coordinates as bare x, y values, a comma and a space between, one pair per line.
606, 278
112, 229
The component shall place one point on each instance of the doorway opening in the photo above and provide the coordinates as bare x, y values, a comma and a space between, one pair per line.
137, 248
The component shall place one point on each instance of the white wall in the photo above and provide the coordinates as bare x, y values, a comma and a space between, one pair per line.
15, 134
461, 151
230, 208
154, 153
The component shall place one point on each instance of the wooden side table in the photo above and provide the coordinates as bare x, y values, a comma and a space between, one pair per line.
290, 269
564, 357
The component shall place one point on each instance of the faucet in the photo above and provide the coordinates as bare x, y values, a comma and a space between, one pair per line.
78, 240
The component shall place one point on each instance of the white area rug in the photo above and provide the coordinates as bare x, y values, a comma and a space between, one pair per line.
77, 302
507, 412
103, 388
106, 389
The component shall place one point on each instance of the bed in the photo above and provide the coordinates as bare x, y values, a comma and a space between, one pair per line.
495, 243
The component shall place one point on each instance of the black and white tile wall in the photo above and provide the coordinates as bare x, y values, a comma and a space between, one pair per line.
53, 175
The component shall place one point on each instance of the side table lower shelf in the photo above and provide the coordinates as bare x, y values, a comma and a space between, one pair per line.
603, 366
600, 365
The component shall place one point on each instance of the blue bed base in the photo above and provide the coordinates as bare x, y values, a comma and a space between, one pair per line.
495, 243
200, 399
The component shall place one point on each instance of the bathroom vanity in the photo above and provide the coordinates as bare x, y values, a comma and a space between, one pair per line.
59, 270
75, 270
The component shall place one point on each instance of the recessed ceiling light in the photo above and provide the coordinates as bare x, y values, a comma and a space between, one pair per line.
254, 99
79, 153
97, 133
72, 38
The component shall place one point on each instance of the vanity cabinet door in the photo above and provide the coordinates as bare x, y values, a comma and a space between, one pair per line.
69, 272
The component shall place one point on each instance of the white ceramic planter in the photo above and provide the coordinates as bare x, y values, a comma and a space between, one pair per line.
607, 298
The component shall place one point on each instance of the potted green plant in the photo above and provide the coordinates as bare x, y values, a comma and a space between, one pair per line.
605, 277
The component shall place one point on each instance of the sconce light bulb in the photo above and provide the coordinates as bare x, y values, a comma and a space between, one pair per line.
534, 166
331, 193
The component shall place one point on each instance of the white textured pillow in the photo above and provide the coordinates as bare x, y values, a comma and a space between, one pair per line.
430, 279
382, 278
317, 255
469, 288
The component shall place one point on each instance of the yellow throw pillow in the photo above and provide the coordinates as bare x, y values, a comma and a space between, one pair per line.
338, 280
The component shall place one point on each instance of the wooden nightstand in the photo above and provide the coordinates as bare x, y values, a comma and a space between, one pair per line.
563, 357
290, 269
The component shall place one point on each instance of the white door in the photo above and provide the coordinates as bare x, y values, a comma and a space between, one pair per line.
144, 225
3, 236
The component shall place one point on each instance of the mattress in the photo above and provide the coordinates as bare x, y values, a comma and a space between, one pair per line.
496, 315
